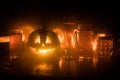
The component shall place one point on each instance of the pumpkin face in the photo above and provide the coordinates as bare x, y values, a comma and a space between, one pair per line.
42, 40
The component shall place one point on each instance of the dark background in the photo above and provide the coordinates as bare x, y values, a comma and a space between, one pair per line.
103, 14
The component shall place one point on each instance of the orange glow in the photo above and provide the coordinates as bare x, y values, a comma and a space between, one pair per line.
60, 35
4, 39
95, 58
43, 45
101, 35
80, 58
13, 57
69, 40
60, 63
43, 68
60, 38
73, 41
94, 45
63, 42
37, 40
26, 30
48, 40
44, 51
16, 42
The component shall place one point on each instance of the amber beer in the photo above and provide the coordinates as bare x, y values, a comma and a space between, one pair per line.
68, 35
16, 43
83, 40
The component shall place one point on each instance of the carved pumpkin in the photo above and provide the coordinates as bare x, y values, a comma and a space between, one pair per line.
43, 39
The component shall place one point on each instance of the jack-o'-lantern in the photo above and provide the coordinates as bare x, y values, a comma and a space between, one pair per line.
43, 41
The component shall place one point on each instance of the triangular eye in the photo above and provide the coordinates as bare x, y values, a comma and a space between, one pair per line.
40, 38
37, 40
48, 40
